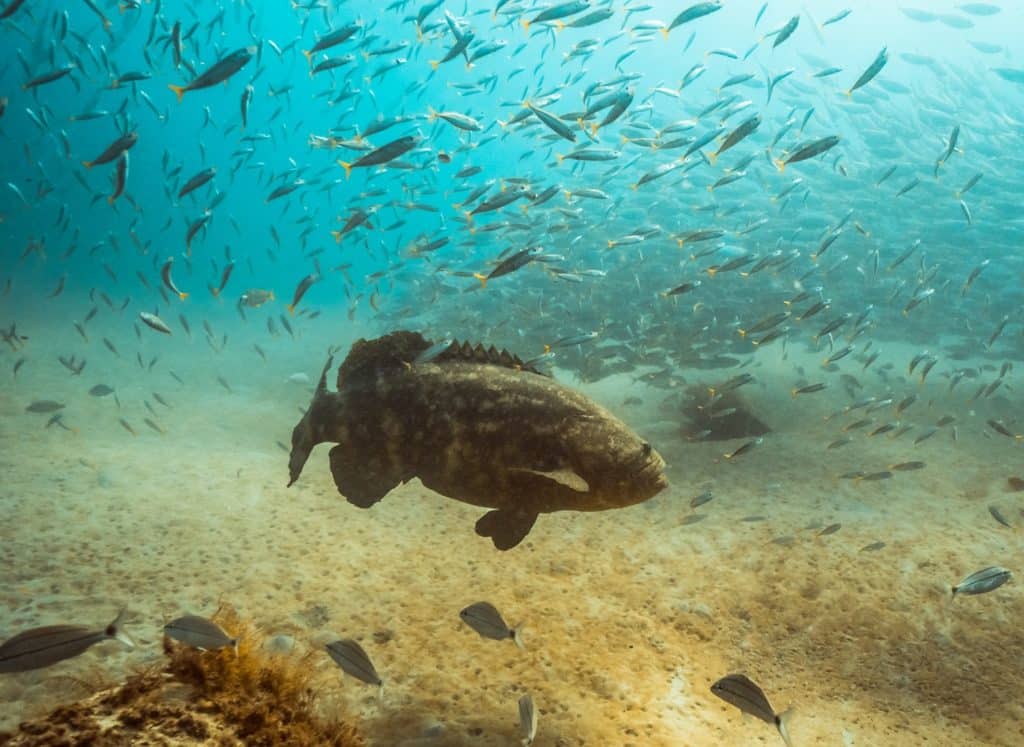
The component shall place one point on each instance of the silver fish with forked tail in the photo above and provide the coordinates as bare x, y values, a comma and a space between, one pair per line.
476, 425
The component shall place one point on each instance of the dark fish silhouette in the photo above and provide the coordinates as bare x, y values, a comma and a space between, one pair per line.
45, 646
744, 693
475, 425
44, 406
484, 618
354, 661
114, 150
218, 72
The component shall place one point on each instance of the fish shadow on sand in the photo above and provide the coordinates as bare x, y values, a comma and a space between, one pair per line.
462, 729
948, 660
725, 418
953, 682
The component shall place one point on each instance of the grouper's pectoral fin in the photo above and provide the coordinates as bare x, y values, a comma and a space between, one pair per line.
362, 481
505, 528
564, 477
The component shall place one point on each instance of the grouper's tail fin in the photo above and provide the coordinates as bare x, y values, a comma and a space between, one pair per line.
306, 433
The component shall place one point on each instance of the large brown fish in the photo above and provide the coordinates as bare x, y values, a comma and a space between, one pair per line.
475, 425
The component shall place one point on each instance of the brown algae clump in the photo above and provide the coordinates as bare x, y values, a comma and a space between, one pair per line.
207, 697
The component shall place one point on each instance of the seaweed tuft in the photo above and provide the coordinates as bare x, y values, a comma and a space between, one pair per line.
251, 697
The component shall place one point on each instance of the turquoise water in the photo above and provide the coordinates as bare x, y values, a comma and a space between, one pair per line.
877, 281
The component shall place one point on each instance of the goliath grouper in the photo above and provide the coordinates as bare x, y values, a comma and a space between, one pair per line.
475, 425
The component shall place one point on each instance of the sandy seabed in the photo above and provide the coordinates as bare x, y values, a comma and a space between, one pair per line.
630, 615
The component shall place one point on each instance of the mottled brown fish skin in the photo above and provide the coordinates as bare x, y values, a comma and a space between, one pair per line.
478, 432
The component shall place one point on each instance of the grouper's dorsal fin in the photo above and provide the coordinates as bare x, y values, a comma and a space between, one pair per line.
402, 348
367, 357
321, 386
466, 351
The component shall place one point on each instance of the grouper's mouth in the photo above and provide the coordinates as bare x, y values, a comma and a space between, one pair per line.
654, 475
650, 474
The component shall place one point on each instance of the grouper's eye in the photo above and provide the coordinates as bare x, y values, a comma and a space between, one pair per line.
645, 450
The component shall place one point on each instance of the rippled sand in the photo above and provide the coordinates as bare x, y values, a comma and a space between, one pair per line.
630, 615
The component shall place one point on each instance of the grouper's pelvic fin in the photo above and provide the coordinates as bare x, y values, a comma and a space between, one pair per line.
505, 528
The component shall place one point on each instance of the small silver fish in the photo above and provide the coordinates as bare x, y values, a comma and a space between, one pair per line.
701, 499
354, 661
998, 516
527, 720
431, 353
485, 619
45, 646
199, 632
740, 691
154, 322
985, 580
744, 448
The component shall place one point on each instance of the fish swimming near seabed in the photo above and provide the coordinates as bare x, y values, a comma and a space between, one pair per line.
354, 661
45, 646
742, 692
484, 618
527, 720
199, 632
476, 425
982, 582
